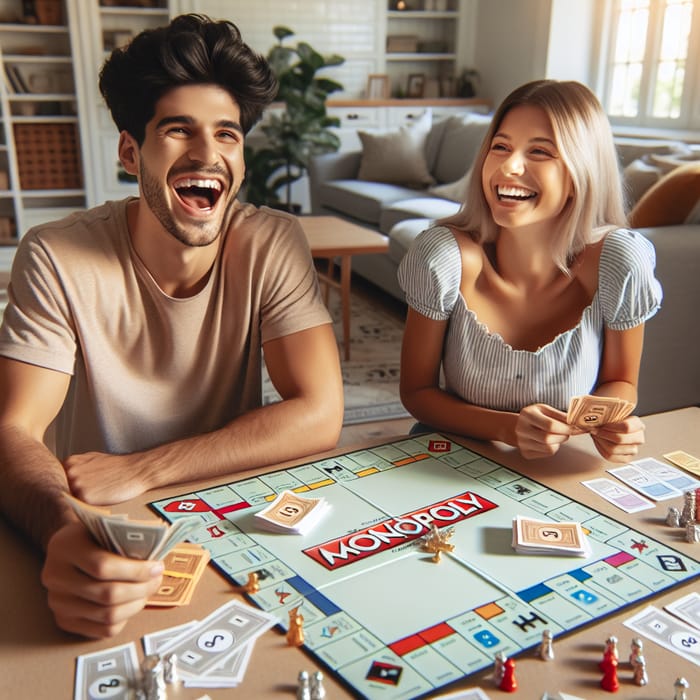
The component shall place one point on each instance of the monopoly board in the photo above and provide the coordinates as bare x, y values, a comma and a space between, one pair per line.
378, 612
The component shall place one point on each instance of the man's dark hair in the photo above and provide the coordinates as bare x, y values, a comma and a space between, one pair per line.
191, 50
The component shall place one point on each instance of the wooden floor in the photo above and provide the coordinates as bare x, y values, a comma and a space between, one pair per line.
355, 434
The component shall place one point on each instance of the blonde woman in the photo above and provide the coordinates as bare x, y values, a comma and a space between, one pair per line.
535, 291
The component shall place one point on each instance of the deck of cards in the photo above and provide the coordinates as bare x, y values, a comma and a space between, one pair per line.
588, 411
136, 539
292, 514
543, 537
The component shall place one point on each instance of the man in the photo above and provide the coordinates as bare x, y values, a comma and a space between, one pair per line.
137, 326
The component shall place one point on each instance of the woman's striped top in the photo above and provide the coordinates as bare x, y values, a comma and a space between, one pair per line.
483, 369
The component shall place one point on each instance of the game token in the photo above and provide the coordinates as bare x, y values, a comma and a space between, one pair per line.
170, 668
639, 675
673, 517
498, 663
681, 685
295, 633
303, 690
609, 681
436, 541
508, 682
689, 513
692, 533
318, 692
546, 651
636, 648
253, 584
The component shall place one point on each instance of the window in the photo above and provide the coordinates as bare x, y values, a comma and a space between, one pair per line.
652, 79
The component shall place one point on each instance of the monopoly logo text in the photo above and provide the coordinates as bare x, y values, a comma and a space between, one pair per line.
395, 531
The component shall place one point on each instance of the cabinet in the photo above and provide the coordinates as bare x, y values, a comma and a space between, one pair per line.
104, 26
422, 43
41, 151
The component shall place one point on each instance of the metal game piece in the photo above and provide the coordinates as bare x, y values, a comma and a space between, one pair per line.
303, 689
673, 517
639, 674
681, 685
436, 541
499, 661
692, 533
318, 692
636, 648
689, 513
170, 668
546, 651
295, 632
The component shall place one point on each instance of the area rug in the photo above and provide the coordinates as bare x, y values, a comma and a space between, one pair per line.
371, 376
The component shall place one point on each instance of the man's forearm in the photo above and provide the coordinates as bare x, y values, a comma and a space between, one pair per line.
268, 435
32, 484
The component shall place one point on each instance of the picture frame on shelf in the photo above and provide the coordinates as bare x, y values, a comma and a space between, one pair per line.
377, 86
415, 85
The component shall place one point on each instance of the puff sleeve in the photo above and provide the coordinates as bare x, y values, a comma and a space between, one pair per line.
629, 292
430, 273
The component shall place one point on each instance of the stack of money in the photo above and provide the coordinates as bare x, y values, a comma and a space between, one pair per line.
184, 566
136, 539
541, 537
588, 412
292, 514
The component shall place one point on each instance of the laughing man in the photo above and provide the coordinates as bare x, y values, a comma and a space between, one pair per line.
137, 326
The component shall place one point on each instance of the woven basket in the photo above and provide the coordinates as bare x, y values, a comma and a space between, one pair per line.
47, 155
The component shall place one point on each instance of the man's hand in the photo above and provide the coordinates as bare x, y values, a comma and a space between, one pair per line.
541, 430
93, 592
102, 480
619, 442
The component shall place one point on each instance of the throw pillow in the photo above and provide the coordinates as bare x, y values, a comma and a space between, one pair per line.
671, 200
397, 157
454, 191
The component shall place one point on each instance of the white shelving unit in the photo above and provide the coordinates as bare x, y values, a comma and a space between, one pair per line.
40, 149
432, 36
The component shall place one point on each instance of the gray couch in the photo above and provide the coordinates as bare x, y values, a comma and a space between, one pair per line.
670, 373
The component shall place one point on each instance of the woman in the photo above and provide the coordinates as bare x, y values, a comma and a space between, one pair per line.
534, 292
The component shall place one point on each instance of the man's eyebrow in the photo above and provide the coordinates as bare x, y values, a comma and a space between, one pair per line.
183, 119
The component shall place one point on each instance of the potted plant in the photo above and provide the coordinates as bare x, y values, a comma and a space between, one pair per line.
300, 131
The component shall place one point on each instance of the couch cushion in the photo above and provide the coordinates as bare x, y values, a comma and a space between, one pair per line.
629, 149
418, 207
459, 146
454, 191
671, 200
402, 236
397, 157
361, 200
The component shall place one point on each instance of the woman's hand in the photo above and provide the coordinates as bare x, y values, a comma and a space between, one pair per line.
619, 442
541, 430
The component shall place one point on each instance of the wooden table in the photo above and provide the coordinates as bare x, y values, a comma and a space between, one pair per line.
332, 237
37, 661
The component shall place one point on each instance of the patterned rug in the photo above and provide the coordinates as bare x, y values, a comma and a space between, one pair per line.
371, 376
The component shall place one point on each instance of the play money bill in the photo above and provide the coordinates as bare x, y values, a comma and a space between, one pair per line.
110, 673
687, 609
217, 637
668, 632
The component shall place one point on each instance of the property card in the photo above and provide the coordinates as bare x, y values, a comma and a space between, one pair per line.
668, 632
109, 673
644, 482
621, 496
687, 609
684, 461
670, 475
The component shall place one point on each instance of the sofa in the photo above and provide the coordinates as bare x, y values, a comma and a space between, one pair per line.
406, 198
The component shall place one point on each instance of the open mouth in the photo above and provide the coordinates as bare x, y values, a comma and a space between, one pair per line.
516, 194
197, 193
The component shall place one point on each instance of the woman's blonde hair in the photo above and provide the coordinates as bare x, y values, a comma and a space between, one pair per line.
585, 143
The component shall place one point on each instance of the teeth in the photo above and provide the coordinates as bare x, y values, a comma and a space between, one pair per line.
511, 191
205, 184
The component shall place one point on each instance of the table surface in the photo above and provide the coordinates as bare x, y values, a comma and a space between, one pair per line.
330, 236
37, 660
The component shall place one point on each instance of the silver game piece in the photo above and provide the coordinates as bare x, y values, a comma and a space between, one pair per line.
681, 685
673, 517
689, 513
499, 661
636, 649
170, 668
639, 672
303, 689
318, 692
546, 651
692, 533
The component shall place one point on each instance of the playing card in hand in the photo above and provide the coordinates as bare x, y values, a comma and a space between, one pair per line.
136, 539
588, 411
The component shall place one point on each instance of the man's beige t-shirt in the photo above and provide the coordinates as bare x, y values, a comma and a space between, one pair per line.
148, 368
